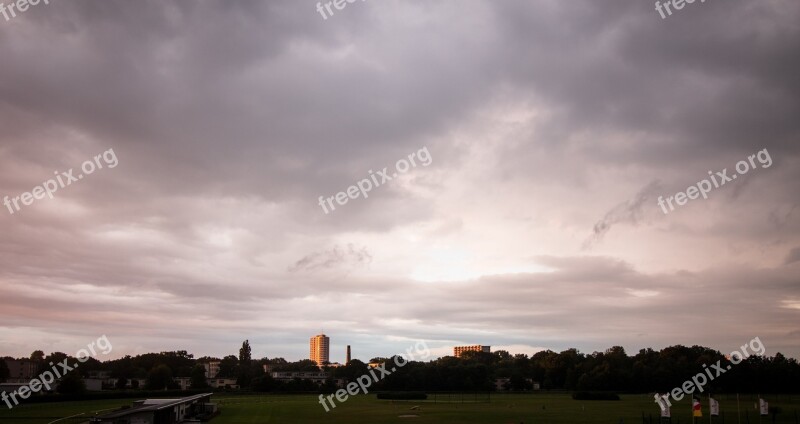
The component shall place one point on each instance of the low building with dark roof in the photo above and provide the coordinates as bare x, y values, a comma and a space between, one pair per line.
162, 411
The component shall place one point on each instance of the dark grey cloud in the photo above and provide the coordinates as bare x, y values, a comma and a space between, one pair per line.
794, 256
338, 256
628, 212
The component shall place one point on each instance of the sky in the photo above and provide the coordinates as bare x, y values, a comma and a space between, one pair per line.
543, 134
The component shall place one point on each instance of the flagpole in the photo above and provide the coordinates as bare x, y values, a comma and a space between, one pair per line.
738, 412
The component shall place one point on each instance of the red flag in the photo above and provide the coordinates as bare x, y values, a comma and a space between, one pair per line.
696, 409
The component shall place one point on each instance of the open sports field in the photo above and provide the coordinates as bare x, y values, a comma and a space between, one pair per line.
536, 408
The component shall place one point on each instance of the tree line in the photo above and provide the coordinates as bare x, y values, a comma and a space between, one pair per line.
611, 370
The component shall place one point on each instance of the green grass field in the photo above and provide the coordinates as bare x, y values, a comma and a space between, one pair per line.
540, 408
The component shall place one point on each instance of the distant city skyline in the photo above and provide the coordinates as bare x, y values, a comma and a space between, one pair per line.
390, 349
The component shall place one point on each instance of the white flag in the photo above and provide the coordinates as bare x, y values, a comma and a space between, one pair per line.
663, 405
713, 407
764, 406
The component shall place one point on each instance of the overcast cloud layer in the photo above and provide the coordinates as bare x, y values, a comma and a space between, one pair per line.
553, 127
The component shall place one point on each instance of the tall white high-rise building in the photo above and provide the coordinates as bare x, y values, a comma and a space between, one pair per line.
319, 349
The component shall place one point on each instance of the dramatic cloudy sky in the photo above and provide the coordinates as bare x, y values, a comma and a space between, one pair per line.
553, 127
